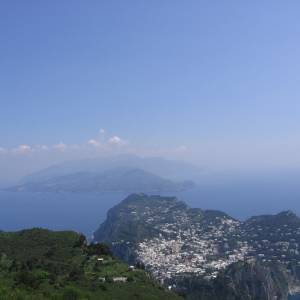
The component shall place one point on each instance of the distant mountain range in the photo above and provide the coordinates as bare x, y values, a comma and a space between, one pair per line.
171, 169
205, 254
113, 180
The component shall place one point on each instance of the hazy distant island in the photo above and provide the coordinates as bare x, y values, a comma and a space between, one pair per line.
113, 180
206, 254
167, 168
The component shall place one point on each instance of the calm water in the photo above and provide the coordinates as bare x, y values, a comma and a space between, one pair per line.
84, 212
245, 200
294, 297
80, 212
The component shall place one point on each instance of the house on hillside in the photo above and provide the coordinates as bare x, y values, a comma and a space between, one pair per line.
119, 279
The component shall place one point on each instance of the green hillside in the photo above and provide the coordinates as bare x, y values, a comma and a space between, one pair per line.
41, 264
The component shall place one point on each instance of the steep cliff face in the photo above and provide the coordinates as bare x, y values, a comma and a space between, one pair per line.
242, 280
251, 281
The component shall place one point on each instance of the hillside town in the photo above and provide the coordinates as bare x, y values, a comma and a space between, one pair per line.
196, 250
204, 248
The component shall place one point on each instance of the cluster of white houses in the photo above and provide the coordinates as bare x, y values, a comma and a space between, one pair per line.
180, 250
205, 249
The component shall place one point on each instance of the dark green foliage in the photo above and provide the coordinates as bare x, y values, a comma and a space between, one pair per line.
99, 249
71, 294
39, 264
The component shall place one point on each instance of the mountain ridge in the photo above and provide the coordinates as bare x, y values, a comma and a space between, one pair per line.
117, 180
171, 169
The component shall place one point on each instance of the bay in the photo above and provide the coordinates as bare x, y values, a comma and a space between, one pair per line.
84, 212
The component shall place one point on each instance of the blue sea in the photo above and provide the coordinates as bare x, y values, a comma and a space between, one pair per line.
294, 297
84, 212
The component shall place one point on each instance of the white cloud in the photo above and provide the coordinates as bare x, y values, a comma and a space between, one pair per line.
60, 147
22, 149
106, 144
94, 143
115, 140
112, 143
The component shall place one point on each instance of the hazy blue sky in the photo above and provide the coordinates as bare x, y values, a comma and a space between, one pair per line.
217, 82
